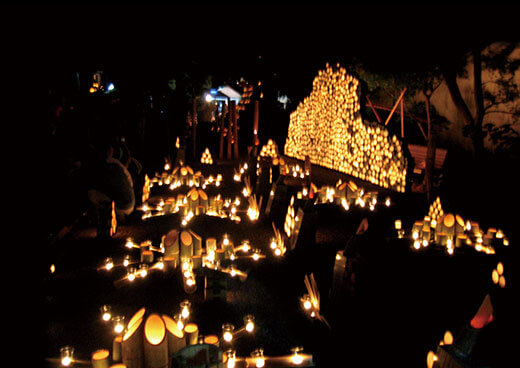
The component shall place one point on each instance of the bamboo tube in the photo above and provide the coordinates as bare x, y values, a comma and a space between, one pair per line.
186, 245
136, 318
193, 201
146, 256
211, 245
116, 348
132, 346
155, 343
118, 365
211, 340
197, 243
100, 358
203, 200
191, 330
176, 339
171, 248
220, 256
449, 224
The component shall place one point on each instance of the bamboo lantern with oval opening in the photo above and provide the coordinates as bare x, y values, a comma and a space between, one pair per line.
155, 342
100, 359
191, 331
203, 200
175, 336
171, 248
197, 243
132, 344
116, 348
186, 245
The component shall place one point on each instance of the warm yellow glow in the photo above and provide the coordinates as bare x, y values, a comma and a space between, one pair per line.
327, 126
448, 338
172, 327
500, 268
228, 336
100, 354
154, 329
53, 268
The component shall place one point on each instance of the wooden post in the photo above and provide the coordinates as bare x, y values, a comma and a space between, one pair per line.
235, 129
229, 130
395, 106
374, 110
222, 128
256, 141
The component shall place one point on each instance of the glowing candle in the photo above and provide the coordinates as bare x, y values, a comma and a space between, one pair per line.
258, 356
231, 358
118, 324
66, 355
227, 331
249, 321
185, 309
296, 358
109, 264
106, 314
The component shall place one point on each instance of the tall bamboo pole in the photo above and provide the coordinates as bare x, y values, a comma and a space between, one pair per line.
229, 130
222, 128
194, 126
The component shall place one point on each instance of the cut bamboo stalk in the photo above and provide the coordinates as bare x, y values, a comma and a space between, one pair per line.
193, 201
211, 340
176, 339
136, 318
100, 358
118, 365
116, 348
197, 243
132, 346
211, 245
146, 256
191, 330
171, 244
155, 343
203, 200
186, 245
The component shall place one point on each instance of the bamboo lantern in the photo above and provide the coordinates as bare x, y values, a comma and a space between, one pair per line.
132, 345
116, 348
118, 365
155, 343
448, 224
203, 200
100, 358
211, 245
175, 337
220, 256
211, 340
197, 243
171, 246
460, 240
146, 256
186, 245
191, 330
459, 225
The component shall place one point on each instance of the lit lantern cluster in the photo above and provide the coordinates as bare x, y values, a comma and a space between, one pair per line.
498, 275
151, 339
327, 127
270, 149
451, 231
290, 219
277, 243
348, 194
206, 158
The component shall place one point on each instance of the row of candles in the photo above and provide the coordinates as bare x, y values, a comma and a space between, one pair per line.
212, 258
181, 319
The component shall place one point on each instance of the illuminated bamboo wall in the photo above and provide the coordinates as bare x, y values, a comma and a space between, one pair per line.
327, 126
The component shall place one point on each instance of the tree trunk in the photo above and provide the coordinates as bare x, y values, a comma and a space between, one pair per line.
430, 152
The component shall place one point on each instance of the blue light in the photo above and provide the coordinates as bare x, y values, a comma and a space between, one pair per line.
213, 91
111, 87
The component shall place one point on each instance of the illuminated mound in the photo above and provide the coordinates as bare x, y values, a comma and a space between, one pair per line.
327, 127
